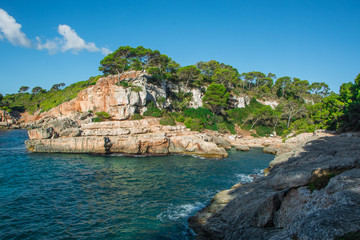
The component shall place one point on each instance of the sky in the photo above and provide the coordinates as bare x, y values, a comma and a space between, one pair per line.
44, 42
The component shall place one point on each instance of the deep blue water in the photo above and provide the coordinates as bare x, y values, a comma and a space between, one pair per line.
82, 196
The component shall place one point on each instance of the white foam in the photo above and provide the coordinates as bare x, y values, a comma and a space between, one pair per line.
178, 212
243, 178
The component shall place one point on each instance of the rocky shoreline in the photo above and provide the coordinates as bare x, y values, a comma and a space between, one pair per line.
133, 137
311, 191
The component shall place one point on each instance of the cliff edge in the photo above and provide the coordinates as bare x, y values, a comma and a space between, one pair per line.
310, 192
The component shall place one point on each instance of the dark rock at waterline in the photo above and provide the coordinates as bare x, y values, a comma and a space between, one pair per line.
314, 194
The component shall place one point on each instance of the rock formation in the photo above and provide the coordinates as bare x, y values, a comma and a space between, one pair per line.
9, 120
311, 191
144, 136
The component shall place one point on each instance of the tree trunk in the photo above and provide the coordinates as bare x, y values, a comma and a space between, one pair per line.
118, 75
254, 123
276, 123
288, 123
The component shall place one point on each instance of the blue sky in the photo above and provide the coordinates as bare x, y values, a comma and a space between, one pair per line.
48, 42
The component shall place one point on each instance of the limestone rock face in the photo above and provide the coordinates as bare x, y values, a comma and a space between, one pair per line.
118, 101
197, 96
144, 136
195, 146
9, 120
285, 204
239, 101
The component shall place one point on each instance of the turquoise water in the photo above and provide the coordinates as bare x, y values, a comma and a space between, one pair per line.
82, 196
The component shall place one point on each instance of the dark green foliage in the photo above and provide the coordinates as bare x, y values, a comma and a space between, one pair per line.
136, 116
167, 120
180, 118
216, 98
97, 119
241, 115
45, 101
136, 89
127, 58
194, 124
152, 110
124, 84
56, 87
203, 116
23, 89
103, 115
189, 74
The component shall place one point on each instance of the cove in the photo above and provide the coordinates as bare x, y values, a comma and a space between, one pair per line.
82, 196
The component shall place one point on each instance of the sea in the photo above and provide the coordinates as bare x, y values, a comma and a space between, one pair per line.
88, 196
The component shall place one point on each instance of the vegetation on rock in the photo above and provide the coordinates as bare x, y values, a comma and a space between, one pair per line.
298, 105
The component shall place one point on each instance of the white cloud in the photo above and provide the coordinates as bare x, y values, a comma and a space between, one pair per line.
105, 51
51, 45
73, 42
70, 41
11, 30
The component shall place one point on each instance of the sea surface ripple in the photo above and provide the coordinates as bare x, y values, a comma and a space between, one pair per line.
83, 196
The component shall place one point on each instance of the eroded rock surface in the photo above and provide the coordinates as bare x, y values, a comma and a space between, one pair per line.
313, 193
144, 136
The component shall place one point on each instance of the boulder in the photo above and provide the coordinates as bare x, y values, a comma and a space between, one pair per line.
242, 148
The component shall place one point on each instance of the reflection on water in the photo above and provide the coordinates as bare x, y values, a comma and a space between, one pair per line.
57, 196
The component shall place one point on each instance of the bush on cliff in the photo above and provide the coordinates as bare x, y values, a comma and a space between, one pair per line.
194, 124
167, 120
45, 101
136, 116
103, 114
152, 110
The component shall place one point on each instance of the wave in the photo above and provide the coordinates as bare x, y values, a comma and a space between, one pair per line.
247, 178
179, 212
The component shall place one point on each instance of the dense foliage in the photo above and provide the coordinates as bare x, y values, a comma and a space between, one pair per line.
40, 99
298, 105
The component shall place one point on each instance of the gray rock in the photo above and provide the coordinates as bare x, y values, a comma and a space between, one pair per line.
281, 206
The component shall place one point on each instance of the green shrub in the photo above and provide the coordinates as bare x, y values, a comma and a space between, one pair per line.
152, 110
193, 124
180, 118
103, 115
45, 101
156, 114
160, 100
124, 84
97, 119
167, 120
136, 116
204, 116
136, 89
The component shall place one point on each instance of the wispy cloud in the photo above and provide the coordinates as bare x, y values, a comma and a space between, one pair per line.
11, 30
69, 40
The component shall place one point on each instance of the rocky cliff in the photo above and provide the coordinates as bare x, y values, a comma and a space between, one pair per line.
311, 191
144, 136
121, 102
9, 120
